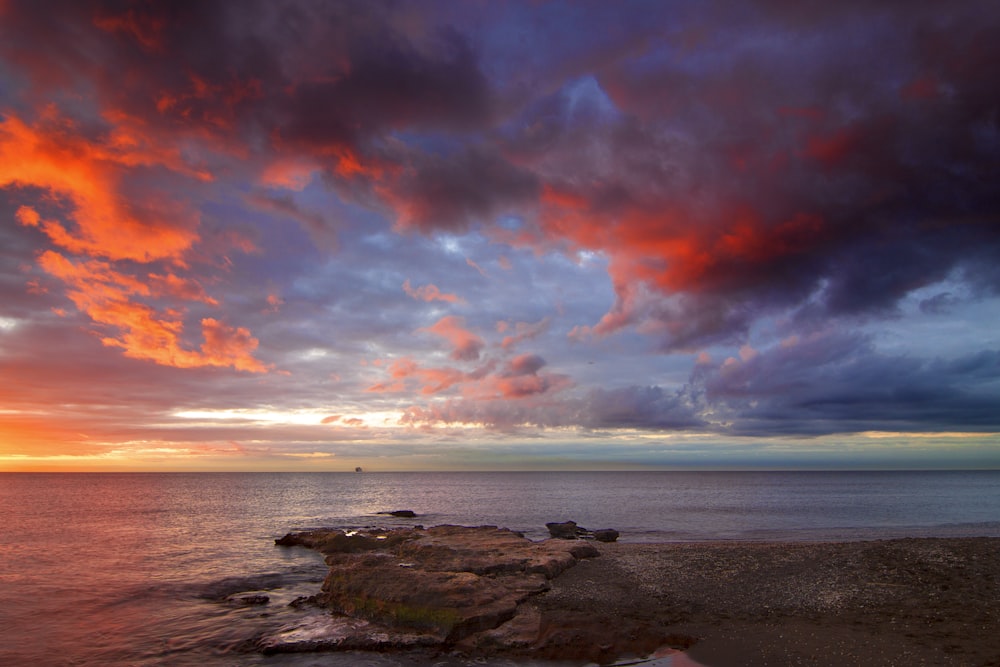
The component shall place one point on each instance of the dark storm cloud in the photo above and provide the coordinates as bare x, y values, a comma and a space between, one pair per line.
734, 172
825, 384
450, 192
831, 383
307, 76
846, 155
652, 408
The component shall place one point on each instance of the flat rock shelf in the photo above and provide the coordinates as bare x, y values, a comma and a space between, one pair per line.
487, 592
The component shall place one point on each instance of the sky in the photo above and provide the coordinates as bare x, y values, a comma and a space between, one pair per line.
277, 235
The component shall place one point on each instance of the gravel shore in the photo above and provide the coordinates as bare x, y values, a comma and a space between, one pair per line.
732, 604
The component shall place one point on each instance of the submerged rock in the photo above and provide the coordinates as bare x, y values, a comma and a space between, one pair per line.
443, 585
249, 599
402, 514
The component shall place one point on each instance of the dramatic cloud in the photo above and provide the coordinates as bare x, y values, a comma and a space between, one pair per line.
371, 224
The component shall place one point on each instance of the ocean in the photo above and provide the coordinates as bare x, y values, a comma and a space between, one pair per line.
134, 569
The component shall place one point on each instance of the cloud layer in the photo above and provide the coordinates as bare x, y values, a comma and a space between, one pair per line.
529, 222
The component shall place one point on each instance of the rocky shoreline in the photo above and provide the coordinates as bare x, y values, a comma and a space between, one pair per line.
490, 592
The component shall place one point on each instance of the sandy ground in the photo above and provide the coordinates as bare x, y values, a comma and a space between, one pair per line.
877, 603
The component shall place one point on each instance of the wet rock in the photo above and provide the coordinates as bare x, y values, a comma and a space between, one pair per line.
230, 587
567, 530
444, 584
402, 514
326, 633
330, 540
249, 599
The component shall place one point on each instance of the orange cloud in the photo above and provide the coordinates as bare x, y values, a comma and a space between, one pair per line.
182, 288
107, 297
228, 346
106, 225
50, 156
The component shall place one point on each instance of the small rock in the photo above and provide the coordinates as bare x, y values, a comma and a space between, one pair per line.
290, 540
402, 514
606, 535
249, 599
567, 530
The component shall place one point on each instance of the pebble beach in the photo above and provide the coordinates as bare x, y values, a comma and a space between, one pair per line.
733, 604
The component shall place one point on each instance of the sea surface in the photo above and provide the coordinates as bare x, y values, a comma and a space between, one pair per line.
134, 569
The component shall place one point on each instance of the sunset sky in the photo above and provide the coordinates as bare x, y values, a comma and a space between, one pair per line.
499, 235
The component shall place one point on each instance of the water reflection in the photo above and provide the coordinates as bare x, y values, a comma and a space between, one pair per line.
124, 569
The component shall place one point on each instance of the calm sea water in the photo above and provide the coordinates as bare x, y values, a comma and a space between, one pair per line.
133, 569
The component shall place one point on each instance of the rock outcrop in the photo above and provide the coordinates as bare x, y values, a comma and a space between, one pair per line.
433, 587
606, 535
568, 530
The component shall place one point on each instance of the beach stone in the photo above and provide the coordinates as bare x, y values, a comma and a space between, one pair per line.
445, 583
402, 514
567, 530
606, 535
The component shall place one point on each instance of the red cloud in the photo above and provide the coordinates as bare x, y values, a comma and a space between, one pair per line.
430, 293
921, 88
145, 29
429, 380
290, 174
519, 379
467, 345
529, 385
673, 247
526, 364
831, 149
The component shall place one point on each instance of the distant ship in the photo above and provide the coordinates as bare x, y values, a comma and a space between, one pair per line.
358, 469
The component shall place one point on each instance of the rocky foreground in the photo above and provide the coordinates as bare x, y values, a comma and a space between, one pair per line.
451, 587
488, 591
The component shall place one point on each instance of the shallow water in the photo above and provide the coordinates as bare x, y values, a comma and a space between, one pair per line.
134, 569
